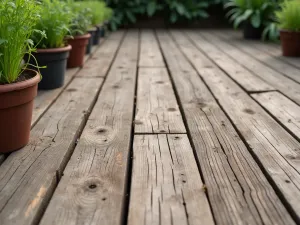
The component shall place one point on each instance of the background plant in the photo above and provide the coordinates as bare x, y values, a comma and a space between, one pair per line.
289, 16
17, 22
82, 18
55, 21
99, 12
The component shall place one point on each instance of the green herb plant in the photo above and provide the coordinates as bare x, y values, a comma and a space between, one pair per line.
99, 12
17, 23
55, 21
289, 15
82, 18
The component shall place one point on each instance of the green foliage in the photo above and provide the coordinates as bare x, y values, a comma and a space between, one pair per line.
126, 11
289, 16
55, 21
82, 18
17, 21
99, 12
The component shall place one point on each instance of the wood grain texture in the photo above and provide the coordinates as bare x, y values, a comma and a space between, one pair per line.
276, 64
101, 60
245, 78
274, 148
166, 185
29, 176
286, 111
273, 49
238, 191
156, 108
150, 55
92, 190
277, 80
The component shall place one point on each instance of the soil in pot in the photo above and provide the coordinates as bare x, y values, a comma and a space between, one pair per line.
92, 32
97, 36
251, 32
78, 43
16, 106
290, 43
55, 61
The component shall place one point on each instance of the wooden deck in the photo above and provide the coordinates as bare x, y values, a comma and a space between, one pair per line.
163, 128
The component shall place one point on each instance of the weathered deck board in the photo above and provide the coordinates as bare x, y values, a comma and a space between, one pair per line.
245, 78
277, 80
286, 111
92, 190
276, 64
238, 191
101, 60
166, 184
150, 55
274, 148
157, 110
29, 176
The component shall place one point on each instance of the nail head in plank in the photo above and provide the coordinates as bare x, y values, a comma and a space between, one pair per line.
92, 190
286, 111
238, 190
157, 110
150, 55
166, 185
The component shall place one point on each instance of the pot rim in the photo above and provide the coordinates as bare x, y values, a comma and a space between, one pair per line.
22, 84
289, 31
92, 29
54, 50
85, 36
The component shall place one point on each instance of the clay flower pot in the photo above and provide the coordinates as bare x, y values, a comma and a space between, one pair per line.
92, 32
78, 43
290, 43
16, 105
55, 61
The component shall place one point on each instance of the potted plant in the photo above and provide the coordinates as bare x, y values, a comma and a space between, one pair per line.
18, 85
254, 14
79, 35
289, 24
52, 52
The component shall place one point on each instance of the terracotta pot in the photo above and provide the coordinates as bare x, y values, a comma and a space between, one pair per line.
290, 43
16, 105
55, 60
251, 32
77, 53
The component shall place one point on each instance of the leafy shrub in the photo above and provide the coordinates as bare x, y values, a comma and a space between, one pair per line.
55, 21
98, 10
82, 18
289, 16
17, 21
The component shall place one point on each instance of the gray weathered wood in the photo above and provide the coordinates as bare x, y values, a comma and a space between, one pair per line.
277, 80
274, 148
276, 64
29, 176
286, 111
238, 191
101, 60
244, 77
92, 190
150, 55
156, 108
166, 186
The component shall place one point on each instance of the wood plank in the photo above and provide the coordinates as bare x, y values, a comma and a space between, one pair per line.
276, 64
286, 111
92, 190
244, 77
277, 80
150, 55
101, 60
157, 110
29, 176
275, 150
166, 185
238, 191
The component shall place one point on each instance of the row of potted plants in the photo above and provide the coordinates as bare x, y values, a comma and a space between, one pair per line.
264, 18
38, 40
